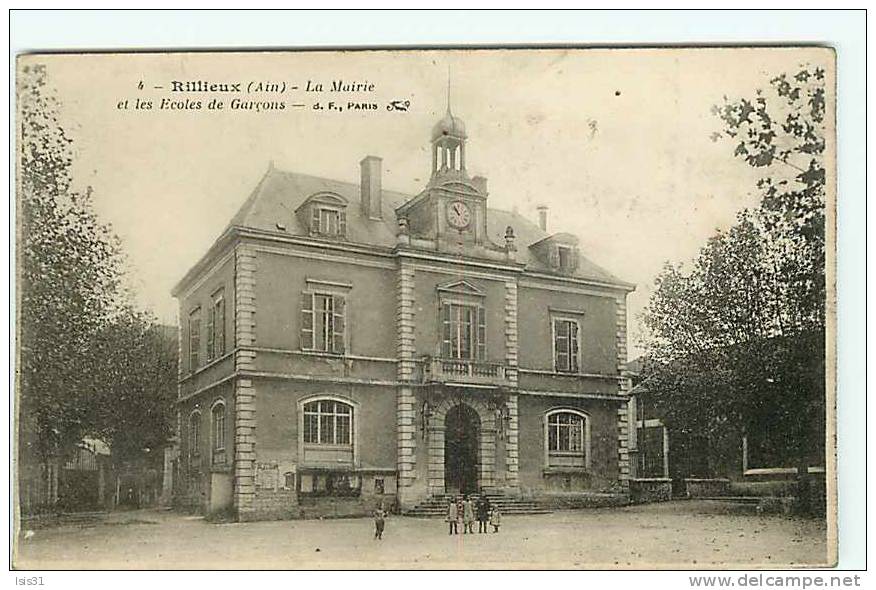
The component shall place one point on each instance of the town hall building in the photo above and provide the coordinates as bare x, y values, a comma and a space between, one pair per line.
343, 345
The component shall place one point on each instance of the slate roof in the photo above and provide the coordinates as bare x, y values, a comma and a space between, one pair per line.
280, 193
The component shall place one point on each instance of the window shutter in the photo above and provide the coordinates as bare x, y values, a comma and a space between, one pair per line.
573, 346
220, 328
482, 334
306, 321
560, 349
576, 256
194, 339
554, 257
342, 223
338, 325
445, 330
314, 220
210, 333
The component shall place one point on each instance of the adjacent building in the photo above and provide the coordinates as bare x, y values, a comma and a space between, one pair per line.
343, 345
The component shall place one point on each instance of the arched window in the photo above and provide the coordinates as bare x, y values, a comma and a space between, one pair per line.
218, 426
567, 438
194, 433
328, 422
328, 431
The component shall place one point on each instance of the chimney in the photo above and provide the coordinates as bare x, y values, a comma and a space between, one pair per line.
542, 217
371, 188
480, 183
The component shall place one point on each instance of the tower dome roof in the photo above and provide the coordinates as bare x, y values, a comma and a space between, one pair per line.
449, 125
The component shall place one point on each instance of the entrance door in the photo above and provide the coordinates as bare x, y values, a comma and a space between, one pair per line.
461, 430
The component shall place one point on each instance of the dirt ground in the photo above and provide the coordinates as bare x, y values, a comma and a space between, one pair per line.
687, 535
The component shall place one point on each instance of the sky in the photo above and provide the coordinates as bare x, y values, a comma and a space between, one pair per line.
617, 143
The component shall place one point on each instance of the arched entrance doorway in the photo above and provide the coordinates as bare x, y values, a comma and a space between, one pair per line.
461, 433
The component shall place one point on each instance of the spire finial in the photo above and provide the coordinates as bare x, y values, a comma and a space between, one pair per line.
448, 88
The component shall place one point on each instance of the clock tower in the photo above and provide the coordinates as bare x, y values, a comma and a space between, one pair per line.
451, 212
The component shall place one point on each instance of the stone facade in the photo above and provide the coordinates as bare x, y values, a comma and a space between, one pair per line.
384, 348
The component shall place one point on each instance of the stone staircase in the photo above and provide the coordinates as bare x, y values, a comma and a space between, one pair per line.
436, 506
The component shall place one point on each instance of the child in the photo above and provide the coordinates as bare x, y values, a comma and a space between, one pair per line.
468, 515
453, 517
379, 522
495, 519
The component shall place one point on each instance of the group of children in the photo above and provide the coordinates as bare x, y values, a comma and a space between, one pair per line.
461, 509
465, 510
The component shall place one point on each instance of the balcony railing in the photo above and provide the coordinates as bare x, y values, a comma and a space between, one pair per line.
438, 370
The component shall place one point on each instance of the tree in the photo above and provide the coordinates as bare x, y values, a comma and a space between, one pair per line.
89, 363
69, 267
737, 340
138, 390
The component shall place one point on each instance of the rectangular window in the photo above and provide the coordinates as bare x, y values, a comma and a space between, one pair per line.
565, 257
463, 331
216, 326
194, 338
566, 345
323, 322
329, 222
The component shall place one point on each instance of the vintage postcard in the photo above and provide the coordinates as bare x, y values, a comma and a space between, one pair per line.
560, 308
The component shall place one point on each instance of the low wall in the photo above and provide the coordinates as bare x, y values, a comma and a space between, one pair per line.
279, 504
651, 489
343, 507
572, 500
706, 488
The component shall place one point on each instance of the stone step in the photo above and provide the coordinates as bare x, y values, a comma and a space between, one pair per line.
740, 499
428, 514
436, 506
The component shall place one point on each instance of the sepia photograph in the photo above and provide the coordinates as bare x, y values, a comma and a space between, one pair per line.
472, 308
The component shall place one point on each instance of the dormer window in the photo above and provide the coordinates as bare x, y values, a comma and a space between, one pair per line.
564, 258
559, 252
324, 214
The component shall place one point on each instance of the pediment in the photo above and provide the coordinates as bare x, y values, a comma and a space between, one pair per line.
326, 198
460, 288
458, 187
562, 238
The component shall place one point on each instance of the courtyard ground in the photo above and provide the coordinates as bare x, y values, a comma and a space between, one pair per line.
685, 535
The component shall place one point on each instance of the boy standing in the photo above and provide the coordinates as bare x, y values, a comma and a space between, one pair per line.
453, 517
379, 522
468, 515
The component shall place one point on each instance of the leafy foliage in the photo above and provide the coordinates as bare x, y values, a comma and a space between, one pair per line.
89, 364
737, 340
69, 276
136, 399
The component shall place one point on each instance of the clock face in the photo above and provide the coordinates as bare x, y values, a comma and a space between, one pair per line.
458, 215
